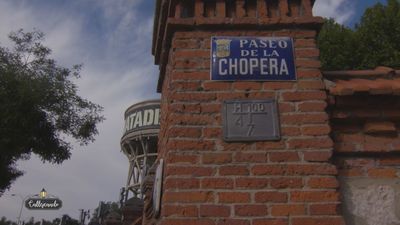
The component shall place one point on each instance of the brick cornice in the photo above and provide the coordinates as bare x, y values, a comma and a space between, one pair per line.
173, 25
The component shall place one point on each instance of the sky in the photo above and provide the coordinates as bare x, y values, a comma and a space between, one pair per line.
112, 38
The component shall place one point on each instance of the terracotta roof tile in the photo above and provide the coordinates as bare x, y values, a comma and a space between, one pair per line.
381, 127
396, 89
380, 81
378, 72
381, 87
373, 87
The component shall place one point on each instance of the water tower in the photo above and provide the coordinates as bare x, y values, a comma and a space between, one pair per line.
139, 143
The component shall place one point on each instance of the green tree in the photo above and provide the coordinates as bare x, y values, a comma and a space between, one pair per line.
39, 106
373, 42
105, 208
5, 221
379, 34
67, 220
31, 221
56, 221
337, 45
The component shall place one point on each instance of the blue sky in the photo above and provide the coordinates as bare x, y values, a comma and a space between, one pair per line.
112, 38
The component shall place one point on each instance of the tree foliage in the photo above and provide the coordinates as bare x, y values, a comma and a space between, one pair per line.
39, 106
373, 42
65, 220
337, 44
5, 221
105, 208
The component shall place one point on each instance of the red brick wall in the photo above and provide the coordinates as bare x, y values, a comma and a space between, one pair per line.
289, 182
366, 134
209, 181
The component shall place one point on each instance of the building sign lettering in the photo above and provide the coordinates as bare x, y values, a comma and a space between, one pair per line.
252, 58
144, 117
39, 203
42, 201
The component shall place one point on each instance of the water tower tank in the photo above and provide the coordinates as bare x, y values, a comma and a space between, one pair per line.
139, 142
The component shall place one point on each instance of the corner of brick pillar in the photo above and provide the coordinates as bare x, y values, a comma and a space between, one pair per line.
208, 181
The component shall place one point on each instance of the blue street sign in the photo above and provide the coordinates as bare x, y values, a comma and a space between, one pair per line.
252, 58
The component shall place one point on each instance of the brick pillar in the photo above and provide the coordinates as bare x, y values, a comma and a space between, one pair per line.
208, 181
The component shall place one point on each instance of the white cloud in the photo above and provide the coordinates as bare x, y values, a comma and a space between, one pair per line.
9, 19
340, 10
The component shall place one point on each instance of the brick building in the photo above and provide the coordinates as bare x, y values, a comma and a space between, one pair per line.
336, 160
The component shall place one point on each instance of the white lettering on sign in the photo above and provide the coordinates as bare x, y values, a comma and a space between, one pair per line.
263, 43
251, 66
142, 118
249, 108
253, 58
39, 204
148, 117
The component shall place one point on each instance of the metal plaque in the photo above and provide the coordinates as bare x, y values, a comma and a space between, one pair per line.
250, 120
252, 58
